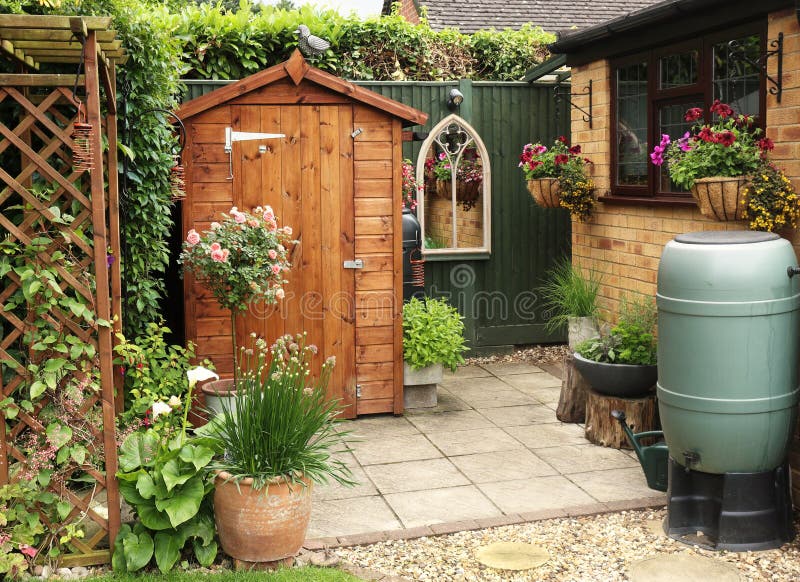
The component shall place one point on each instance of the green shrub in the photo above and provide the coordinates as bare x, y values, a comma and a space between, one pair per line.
568, 292
433, 333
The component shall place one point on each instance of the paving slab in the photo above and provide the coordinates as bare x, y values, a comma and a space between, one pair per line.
508, 368
468, 442
502, 466
573, 459
458, 385
471, 371
684, 567
494, 398
614, 484
528, 382
363, 488
341, 517
451, 420
394, 449
523, 415
537, 493
380, 426
416, 475
553, 434
418, 508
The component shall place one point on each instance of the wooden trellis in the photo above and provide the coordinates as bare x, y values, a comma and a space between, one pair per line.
37, 134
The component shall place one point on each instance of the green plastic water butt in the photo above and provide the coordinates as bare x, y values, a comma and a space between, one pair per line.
728, 350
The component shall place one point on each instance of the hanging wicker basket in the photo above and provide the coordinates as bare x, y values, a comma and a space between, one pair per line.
545, 192
443, 189
720, 198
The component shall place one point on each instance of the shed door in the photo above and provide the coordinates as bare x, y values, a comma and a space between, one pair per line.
307, 178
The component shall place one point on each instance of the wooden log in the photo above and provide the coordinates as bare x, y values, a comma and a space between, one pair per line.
603, 429
572, 402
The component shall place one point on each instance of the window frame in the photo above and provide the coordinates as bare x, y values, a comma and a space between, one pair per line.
702, 90
482, 252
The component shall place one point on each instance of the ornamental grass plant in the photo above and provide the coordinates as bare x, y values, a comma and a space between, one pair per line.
568, 292
281, 423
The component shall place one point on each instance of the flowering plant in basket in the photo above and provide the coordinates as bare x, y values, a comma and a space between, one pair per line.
729, 147
565, 164
770, 200
241, 259
410, 186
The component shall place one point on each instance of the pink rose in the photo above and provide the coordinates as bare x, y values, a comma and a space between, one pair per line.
193, 238
280, 294
269, 214
287, 230
215, 247
272, 254
276, 269
219, 255
239, 217
253, 223
272, 225
215, 225
225, 253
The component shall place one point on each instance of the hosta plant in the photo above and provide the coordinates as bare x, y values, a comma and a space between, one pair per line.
433, 333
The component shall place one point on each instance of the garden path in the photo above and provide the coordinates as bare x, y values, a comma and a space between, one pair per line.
491, 453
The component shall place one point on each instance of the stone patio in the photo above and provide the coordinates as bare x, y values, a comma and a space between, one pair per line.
491, 453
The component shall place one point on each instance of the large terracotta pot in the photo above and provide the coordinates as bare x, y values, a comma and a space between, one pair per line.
721, 198
545, 192
257, 525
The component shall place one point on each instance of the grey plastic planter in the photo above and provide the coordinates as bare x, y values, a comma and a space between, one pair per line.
621, 380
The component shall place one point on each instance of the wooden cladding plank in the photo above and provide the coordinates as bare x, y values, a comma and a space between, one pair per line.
374, 335
371, 244
397, 177
289, 207
373, 189
203, 309
376, 406
376, 390
373, 169
373, 207
214, 345
284, 92
374, 280
367, 150
366, 225
372, 132
375, 317
213, 326
215, 173
383, 262
208, 132
368, 354
362, 114
212, 192
203, 212
209, 153
384, 299
374, 372
220, 114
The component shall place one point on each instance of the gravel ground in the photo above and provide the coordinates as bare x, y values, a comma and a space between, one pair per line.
535, 354
586, 549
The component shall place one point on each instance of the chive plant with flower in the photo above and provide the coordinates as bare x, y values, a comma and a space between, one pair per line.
565, 164
728, 147
241, 260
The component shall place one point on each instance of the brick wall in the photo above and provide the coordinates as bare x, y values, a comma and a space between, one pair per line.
469, 223
625, 242
408, 10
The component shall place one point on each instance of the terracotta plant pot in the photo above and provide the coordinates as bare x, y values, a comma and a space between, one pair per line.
255, 525
720, 198
545, 192
216, 391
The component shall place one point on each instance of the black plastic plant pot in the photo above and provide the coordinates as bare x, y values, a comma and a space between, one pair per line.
620, 380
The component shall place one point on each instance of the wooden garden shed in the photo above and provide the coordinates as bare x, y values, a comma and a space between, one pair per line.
335, 178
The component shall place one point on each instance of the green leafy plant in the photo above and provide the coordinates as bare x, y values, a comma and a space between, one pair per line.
728, 147
433, 333
163, 476
631, 341
569, 291
281, 422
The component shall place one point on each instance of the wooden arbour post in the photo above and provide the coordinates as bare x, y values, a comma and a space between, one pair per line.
63, 220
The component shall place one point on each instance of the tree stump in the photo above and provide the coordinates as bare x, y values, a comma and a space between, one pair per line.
572, 401
603, 429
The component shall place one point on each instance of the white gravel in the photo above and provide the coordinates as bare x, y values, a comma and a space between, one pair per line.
585, 549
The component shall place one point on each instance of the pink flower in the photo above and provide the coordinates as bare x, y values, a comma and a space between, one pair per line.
193, 238
269, 214
253, 223
239, 217
215, 225
219, 255
280, 294
234, 210
276, 269
28, 551
287, 230
539, 150
215, 247
272, 225
225, 253
272, 254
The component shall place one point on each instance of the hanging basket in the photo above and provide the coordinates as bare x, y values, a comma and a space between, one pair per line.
545, 192
82, 137
443, 189
177, 180
468, 193
720, 198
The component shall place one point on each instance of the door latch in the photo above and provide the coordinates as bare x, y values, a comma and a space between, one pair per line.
357, 264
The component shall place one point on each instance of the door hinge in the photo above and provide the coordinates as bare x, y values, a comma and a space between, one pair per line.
357, 264
358, 390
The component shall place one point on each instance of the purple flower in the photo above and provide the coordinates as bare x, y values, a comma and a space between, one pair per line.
110, 260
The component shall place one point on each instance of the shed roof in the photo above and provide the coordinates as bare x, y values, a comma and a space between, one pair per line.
552, 15
298, 70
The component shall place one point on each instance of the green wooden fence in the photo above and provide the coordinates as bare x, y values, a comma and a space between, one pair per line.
497, 296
